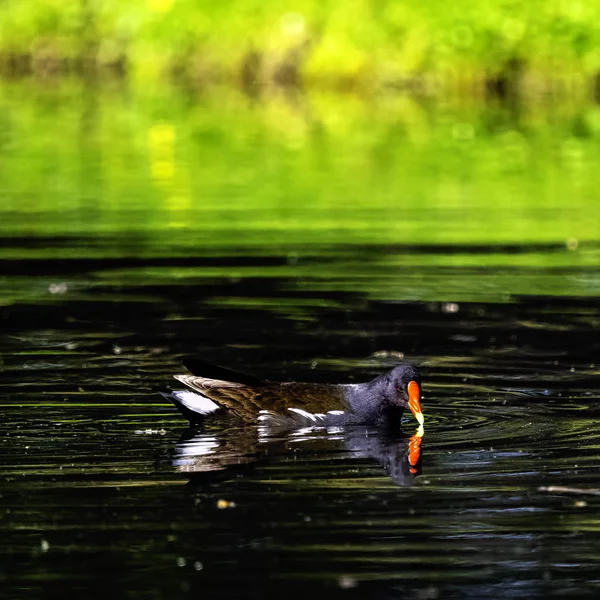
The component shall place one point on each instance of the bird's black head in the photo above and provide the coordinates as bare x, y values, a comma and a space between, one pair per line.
403, 389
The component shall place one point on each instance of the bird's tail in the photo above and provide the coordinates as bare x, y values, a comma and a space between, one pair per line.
194, 407
209, 371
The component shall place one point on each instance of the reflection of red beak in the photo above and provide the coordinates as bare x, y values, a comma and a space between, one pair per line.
414, 451
414, 401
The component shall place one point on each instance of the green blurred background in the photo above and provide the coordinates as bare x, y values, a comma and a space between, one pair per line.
353, 43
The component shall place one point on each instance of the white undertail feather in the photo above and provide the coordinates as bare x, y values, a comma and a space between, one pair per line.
196, 402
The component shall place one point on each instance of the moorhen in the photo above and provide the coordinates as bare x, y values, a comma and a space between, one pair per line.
379, 402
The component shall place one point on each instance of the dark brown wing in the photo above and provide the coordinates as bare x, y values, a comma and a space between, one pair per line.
311, 397
247, 401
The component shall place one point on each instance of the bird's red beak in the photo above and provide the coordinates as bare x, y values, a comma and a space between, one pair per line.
414, 401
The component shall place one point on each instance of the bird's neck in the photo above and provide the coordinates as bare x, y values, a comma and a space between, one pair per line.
365, 400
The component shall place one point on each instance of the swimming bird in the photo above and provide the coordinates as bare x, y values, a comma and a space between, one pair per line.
379, 402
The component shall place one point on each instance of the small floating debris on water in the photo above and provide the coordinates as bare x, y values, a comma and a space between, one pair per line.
346, 582
150, 432
44, 545
181, 562
429, 593
388, 354
450, 307
58, 288
572, 244
562, 489
223, 504
463, 338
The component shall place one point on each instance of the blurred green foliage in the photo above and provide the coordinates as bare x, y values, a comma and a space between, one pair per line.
357, 41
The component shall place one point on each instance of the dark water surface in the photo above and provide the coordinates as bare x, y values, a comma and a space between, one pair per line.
104, 492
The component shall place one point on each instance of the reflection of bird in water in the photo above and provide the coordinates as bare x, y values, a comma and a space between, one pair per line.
200, 453
399, 457
380, 402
